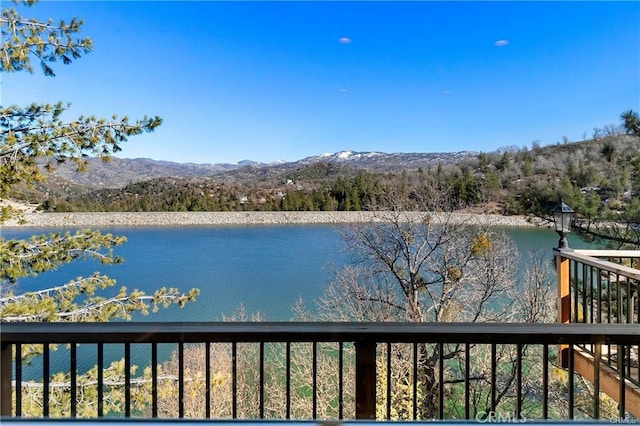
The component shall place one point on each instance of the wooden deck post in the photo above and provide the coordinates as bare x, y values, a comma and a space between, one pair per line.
5, 380
365, 379
564, 302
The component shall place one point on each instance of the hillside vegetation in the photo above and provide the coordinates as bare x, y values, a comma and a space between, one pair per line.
594, 177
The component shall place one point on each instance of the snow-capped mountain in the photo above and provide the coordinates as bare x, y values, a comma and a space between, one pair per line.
381, 161
119, 172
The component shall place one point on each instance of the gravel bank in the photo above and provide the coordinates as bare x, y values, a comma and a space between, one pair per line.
235, 218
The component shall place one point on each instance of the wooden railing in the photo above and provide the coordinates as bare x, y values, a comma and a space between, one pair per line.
353, 370
601, 287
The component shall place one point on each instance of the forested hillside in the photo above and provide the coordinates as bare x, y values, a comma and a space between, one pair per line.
596, 177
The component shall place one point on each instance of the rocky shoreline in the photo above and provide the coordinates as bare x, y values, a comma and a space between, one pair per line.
240, 218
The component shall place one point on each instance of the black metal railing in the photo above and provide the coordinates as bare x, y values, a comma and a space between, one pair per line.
604, 286
304, 370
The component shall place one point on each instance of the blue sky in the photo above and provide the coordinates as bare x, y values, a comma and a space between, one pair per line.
270, 81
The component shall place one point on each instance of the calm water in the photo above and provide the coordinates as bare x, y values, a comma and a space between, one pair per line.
266, 269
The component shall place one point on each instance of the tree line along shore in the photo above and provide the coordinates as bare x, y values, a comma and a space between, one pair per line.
94, 219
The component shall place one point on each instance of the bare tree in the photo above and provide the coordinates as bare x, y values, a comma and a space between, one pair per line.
536, 302
432, 267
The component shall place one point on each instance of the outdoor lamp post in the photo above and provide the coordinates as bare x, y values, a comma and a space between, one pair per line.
562, 214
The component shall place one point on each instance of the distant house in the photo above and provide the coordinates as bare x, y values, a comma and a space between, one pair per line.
587, 189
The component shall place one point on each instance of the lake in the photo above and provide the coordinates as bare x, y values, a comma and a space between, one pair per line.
264, 268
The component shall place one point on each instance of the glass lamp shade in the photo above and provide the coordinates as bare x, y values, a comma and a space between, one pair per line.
562, 214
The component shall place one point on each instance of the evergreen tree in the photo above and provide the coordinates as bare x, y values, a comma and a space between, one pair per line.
631, 122
36, 134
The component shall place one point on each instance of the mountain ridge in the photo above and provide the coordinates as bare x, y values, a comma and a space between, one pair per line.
119, 172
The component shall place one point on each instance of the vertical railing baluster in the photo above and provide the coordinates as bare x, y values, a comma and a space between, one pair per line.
628, 357
629, 301
592, 282
415, 381
638, 369
288, 380
100, 378
388, 380
19, 380
234, 380
599, 295
609, 301
597, 352
519, 353
314, 379
154, 380
46, 380
207, 372
341, 380
637, 301
494, 356
181, 380
73, 357
574, 289
467, 381
619, 307
570, 379
261, 382
622, 387
545, 381
441, 381
127, 380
